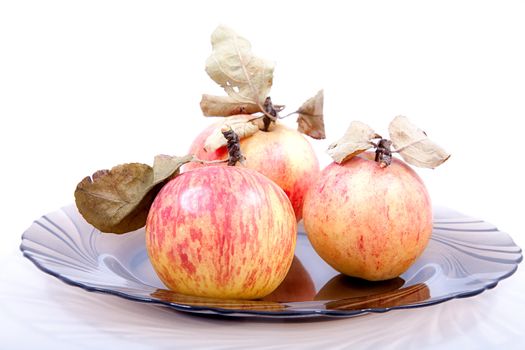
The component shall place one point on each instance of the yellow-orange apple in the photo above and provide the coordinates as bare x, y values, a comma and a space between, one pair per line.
367, 221
221, 232
281, 154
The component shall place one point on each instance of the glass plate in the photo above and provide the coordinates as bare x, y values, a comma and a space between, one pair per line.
465, 256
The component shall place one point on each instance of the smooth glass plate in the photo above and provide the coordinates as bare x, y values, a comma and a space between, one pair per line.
465, 256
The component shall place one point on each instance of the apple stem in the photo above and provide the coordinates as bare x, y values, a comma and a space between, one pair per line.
233, 145
384, 153
271, 112
268, 111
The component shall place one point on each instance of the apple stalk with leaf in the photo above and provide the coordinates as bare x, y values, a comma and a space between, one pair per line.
219, 232
280, 153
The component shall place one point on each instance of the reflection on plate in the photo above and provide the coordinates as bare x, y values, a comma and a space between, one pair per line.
464, 257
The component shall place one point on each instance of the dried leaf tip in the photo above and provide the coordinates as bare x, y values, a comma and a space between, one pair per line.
310, 118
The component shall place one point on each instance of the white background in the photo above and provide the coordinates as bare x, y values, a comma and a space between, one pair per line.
88, 85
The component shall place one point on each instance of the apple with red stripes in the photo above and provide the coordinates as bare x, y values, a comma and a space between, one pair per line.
282, 154
366, 220
221, 232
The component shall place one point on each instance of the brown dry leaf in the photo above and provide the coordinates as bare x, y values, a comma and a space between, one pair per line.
310, 120
166, 167
413, 144
118, 200
225, 106
240, 125
357, 139
245, 77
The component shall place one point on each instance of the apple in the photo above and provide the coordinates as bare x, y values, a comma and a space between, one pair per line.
367, 221
281, 154
221, 232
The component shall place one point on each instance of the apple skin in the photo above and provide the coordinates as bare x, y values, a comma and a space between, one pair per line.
367, 221
282, 154
221, 232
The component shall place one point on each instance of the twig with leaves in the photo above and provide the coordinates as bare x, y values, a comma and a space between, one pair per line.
118, 200
408, 140
247, 79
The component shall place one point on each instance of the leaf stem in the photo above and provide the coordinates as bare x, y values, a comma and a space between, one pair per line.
289, 114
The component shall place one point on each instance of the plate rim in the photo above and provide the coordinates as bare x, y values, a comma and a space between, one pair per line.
252, 314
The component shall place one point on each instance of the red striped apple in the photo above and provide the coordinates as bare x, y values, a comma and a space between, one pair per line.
367, 221
281, 154
221, 232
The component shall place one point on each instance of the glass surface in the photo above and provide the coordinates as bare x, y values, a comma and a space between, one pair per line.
464, 257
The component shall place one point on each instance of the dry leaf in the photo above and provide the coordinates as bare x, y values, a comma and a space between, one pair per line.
413, 144
225, 106
245, 77
239, 124
310, 120
165, 167
357, 139
118, 200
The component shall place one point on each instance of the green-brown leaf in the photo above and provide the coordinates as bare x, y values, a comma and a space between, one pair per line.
118, 200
